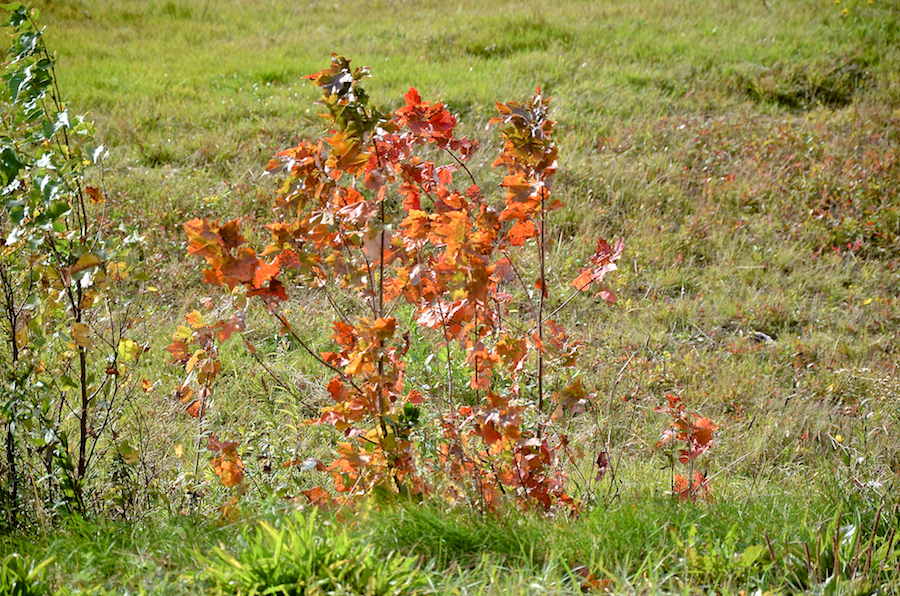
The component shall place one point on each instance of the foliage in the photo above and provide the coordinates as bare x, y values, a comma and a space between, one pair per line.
307, 554
363, 211
697, 434
68, 288
841, 551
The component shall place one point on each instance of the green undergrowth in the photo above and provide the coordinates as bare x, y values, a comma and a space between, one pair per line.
639, 544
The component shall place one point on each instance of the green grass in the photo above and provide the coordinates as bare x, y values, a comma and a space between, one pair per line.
747, 152
644, 544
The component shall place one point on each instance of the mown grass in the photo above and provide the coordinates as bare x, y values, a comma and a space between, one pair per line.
747, 152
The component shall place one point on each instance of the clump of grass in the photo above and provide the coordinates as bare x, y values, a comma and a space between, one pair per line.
20, 576
307, 554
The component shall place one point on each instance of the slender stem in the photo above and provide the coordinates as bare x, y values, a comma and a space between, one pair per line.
203, 393
281, 382
809, 568
890, 543
381, 262
477, 339
10, 311
519, 277
381, 406
57, 102
449, 364
335, 306
12, 474
83, 418
462, 165
286, 325
775, 560
540, 313
11, 315
872, 541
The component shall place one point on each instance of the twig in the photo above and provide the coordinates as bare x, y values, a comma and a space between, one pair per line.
462, 165
286, 325
281, 382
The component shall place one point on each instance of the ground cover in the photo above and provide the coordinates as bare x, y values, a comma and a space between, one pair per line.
746, 154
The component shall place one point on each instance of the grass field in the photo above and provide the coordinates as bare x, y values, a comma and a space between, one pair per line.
748, 153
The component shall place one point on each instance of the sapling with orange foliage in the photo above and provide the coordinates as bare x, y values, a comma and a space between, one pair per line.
371, 209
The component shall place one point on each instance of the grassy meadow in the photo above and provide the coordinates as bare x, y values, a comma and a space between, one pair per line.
748, 154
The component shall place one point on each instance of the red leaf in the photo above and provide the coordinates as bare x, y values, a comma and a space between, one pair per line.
522, 231
318, 496
412, 97
692, 488
275, 291
602, 465
703, 431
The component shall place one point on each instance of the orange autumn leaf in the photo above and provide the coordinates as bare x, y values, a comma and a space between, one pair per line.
95, 195
203, 240
180, 352
230, 470
227, 465
691, 488
230, 234
522, 231
318, 497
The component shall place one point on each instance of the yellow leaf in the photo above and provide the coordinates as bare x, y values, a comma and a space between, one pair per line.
22, 337
80, 333
179, 450
88, 299
117, 271
129, 350
85, 262
193, 361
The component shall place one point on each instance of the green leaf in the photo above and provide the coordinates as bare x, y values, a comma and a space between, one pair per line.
129, 454
95, 154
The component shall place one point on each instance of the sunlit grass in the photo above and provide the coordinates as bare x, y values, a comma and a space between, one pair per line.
745, 151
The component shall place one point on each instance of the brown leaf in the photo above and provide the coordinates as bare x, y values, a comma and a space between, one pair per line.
81, 335
95, 195
602, 465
